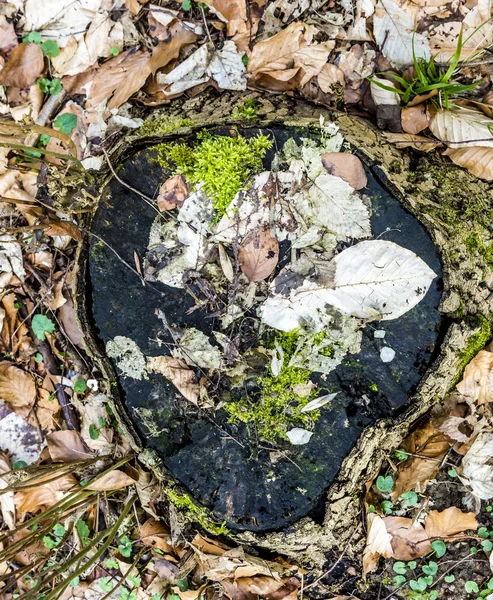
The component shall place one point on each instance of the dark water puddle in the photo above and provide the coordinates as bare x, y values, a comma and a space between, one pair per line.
220, 465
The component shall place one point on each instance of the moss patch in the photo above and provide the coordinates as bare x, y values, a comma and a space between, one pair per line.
221, 163
184, 503
476, 343
248, 110
163, 125
277, 407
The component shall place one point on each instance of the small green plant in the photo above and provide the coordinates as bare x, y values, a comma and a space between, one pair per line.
439, 548
385, 484
50, 86
399, 568
41, 325
430, 79
65, 123
430, 569
80, 386
125, 546
452, 473
386, 506
50, 48
409, 499
248, 110
114, 51
401, 455
471, 587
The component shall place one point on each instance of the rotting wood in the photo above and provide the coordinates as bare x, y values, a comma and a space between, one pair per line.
448, 201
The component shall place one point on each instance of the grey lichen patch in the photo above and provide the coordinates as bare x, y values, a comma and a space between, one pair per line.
128, 357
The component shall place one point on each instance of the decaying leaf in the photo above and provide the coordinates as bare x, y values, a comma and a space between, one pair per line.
44, 495
258, 255
7, 504
395, 34
409, 538
17, 387
196, 350
114, 480
430, 446
179, 373
289, 58
346, 166
449, 523
408, 140
24, 66
66, 446
477, 472
378, 543
462, 128
172, 193
18, 438
478, 160
226, 264
64, 228
156, 535
477, 382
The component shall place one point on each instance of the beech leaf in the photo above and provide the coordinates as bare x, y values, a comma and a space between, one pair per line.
17, 387
478, 160
258, 255
24, 66
346, 166
449, 522
114, 480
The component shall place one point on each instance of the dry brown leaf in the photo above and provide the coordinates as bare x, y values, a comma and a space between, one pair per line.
477, 382
8, 38
67, 446
179, 373
289, 58
409, 539
378, 543
408, 140
258, 255
329, 76
346, 166
57, 228
449, 523
209, 546
415, 119
415, 472
156, 535
121, 77
66, 314
17, 388
478, 160
46, 410
44, 495
251, 588
114, 480
24, 66
133, 6
172, 193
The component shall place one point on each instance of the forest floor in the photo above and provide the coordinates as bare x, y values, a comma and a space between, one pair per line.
81, 518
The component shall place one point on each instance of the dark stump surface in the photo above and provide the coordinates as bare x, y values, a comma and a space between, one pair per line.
242, 481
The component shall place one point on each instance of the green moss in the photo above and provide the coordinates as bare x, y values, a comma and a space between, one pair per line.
163, 125
475, 245
184, 503
221, 163
248, 110
476, 343
277, 408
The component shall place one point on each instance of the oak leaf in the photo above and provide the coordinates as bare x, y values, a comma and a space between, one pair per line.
24, 66
258, 255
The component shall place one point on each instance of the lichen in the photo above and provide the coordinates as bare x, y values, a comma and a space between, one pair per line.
128, 357
221, 164
277, 407
184, 503
163, 125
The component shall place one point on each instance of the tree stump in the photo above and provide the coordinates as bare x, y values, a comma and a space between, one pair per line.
297, 500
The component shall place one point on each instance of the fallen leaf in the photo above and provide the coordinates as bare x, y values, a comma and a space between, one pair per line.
477, 472
44, 495
62, 228
408, 140
179, 373
209, 546
226, 264
431, 445
7, 504
156, 535
17, 387
478, 160
396, 36
409, 539
8, 37
378, 543
289, 58
114, 480
66, 446
415, 119
462, 128
330, 75
258, 255
24, 66
172, 193
449, 522
346, 166
477, 382
66, 315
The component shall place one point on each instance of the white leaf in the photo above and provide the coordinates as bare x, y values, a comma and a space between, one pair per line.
299, 436
7, 504
378, 543
377, 279
318, 402
462, 128
387, 354
277, 360
394, 32
381, 95
196, 350
332, 203
226, 264
477, 473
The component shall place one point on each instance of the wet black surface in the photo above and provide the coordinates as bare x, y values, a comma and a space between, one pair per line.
235, 478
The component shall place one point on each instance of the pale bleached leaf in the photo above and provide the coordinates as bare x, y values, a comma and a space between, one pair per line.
378, 543
477, 473
318, 402
380, 95
395, 35
299, 436
196, 350
462, 128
